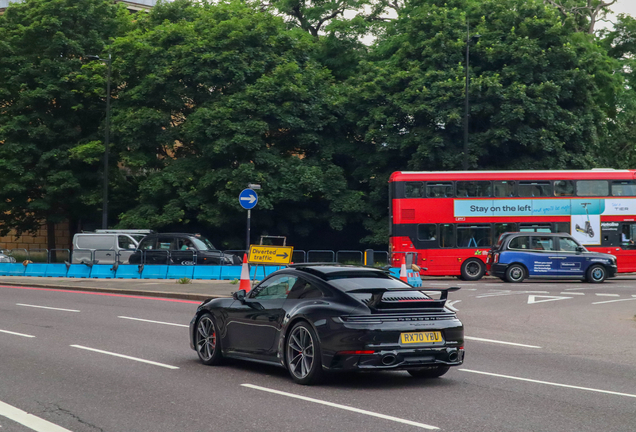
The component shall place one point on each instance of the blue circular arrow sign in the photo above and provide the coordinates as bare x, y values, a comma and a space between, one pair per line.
248, 199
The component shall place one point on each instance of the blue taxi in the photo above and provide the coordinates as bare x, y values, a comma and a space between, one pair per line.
521, 255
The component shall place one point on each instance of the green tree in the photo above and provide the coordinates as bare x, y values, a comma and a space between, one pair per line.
541, 94
214, 97
49, 138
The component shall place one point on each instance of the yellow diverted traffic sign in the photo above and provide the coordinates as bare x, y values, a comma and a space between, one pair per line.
275, 255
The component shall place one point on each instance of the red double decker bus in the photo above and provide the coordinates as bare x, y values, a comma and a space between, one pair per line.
447, 221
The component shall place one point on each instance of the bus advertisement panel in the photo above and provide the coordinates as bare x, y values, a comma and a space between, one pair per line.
446, 222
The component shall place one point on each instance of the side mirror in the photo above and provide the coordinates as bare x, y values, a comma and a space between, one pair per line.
580, 249
131, 246
239, 295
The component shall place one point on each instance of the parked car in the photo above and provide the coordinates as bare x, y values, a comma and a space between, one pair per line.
521, 255
103, 248
311, 318
180, 248
4, 258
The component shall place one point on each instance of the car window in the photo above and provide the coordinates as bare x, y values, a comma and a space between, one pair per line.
165, 243
542, 243
202, 243
522, 243
566, 244
275, 288
126, 242
304, 290
148, 244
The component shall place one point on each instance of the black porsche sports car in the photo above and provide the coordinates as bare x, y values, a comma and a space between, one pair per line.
314, 318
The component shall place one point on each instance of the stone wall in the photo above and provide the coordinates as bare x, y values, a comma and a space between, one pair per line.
63, 239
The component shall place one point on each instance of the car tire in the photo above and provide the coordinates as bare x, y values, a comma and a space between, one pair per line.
515, 273
303, 355
472, 270
429, 372
596, 274
206, 341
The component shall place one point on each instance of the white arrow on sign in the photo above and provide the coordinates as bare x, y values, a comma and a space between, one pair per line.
250, 198
533, 298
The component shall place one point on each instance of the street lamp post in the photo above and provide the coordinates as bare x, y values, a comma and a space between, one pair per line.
467, 106
108, 61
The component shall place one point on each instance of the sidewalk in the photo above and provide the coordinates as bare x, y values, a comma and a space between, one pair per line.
197, 290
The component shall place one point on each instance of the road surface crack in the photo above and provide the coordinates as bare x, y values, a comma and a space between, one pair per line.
56, 409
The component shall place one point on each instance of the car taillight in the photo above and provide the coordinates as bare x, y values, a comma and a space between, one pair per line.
354, 352
495, 258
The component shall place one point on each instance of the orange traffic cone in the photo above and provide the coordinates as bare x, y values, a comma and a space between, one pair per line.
403, 276
245, 275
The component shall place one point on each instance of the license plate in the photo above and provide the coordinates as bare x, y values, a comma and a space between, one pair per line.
421, 337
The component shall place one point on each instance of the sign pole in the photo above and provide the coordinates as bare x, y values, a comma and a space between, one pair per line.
247, 242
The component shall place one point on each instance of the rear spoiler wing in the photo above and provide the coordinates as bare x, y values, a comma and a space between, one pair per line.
378, 293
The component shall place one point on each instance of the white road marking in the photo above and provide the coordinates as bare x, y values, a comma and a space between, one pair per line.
551, 383
614, 301
154, 322
29, 420
449, 304
14, 333
572, 293
533, 299
504, 293
607, 295
125, 356
499, 342
469, 289
343, 407
46, 307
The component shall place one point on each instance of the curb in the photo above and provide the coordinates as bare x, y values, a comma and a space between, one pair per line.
160, 294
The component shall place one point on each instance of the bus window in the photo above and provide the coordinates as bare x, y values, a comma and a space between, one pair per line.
501, 228
474, 189
427, 232
446, 235
535, 228
624, 188
414, 190
504, 188
474, 236
439, 190
564, 188
535, 189
628, 234
561, 227
592, 188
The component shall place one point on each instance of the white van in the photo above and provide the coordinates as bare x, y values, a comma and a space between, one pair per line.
103, 247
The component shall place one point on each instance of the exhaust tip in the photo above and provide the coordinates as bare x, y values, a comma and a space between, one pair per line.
388, 360
453, 356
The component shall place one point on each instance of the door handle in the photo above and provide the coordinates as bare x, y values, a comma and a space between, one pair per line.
557, 257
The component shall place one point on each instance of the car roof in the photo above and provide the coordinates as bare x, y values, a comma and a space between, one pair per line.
324, 270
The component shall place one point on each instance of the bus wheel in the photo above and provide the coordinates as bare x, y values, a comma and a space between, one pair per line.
472, 270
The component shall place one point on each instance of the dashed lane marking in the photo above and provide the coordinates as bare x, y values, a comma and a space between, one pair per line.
16, 334
342, 407
607, 295
572, 293
154, 322
29, 420
500, 342
614, 301
125, 356
46, 307
551, 383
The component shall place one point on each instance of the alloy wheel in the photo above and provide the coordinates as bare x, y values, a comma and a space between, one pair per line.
206, 338
300, 352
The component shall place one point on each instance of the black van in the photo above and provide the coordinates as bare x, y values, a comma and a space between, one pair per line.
180, 248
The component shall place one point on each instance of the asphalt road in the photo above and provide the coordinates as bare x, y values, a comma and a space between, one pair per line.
539, 357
